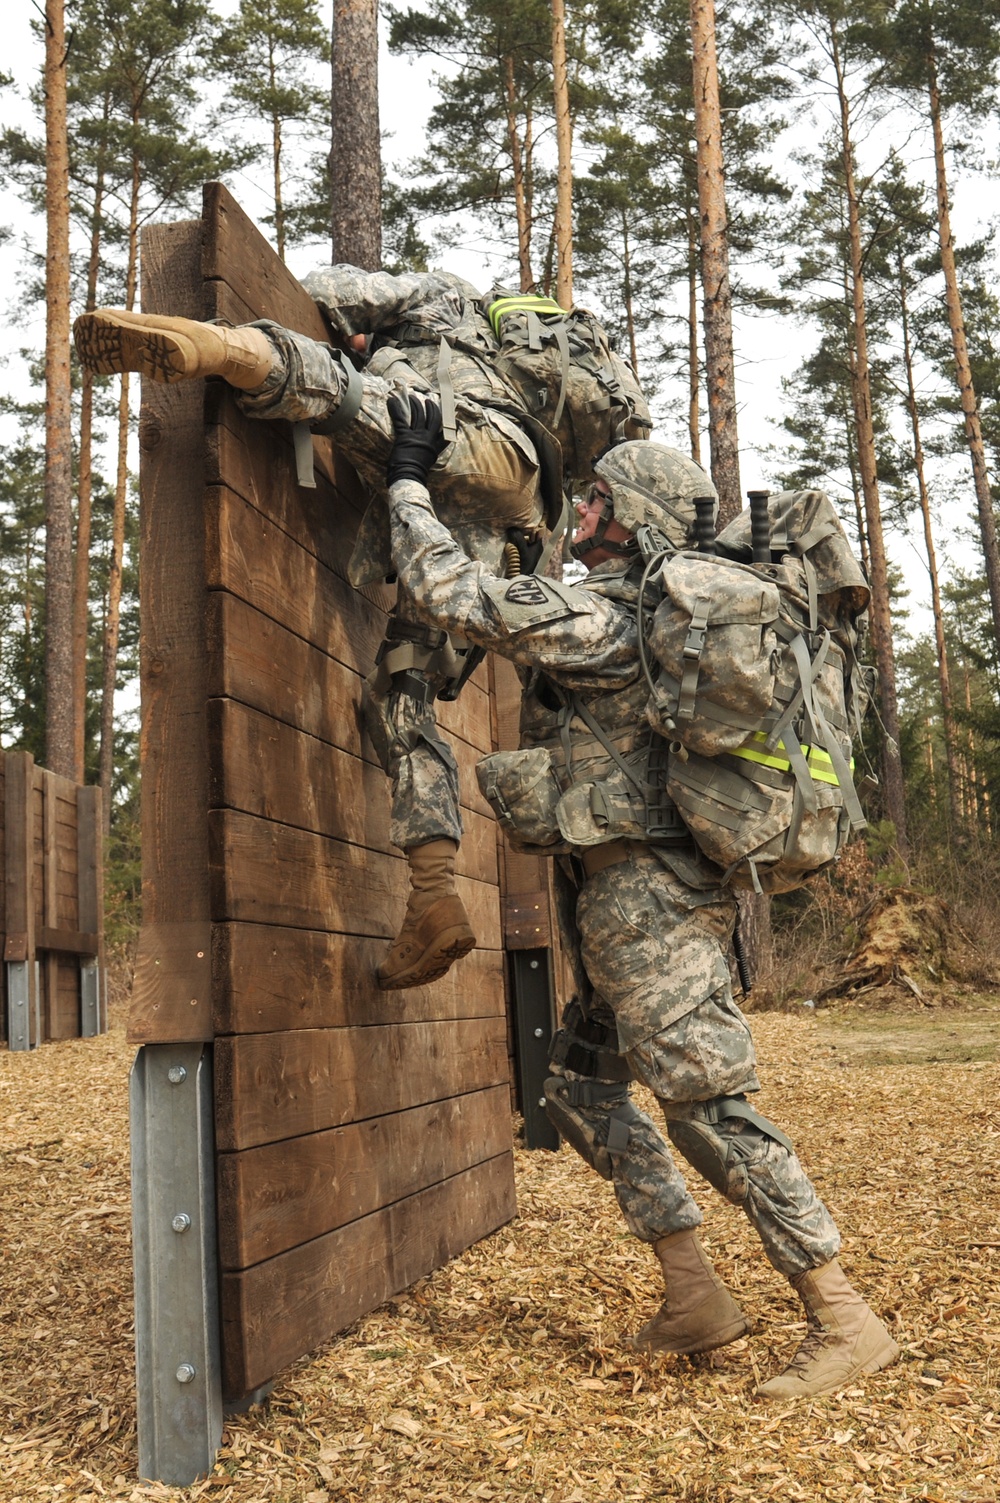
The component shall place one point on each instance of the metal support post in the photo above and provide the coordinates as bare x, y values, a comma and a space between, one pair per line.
19, 1006
90, 999
178, 1361
531, 975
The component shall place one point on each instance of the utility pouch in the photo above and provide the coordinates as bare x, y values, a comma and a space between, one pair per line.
591, 813
522, 790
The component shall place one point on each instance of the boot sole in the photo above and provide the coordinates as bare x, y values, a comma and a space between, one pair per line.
720, 1338
109, 346
433, 963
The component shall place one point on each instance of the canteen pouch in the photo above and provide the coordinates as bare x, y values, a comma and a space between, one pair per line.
522, 790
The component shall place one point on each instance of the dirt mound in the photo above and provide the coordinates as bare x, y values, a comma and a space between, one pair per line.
910, 946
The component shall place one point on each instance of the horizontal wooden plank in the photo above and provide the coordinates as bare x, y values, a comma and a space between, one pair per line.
69, 941
266, 873
252, 558
281, 1309
234, 250
254, 660
282, 1194
267, 980
270, 1086
261, 766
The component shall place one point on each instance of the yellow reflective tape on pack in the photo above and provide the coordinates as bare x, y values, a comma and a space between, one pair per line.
819, 762
529, 303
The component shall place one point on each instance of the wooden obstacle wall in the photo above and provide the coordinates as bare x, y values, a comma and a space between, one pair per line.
53, 909
362, 1137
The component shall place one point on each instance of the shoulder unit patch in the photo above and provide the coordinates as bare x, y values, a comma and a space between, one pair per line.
534, 600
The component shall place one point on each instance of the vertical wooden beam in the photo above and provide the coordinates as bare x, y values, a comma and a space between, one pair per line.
50, 914
90, 905
19, 945
171, 999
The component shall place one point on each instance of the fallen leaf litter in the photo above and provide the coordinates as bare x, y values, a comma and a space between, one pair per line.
501, 1377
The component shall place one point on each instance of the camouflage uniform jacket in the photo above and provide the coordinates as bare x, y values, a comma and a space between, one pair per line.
411, 314
577, 647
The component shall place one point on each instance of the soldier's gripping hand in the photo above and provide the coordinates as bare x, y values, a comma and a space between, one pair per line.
419, 439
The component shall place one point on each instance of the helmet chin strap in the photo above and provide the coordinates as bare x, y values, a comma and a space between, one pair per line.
626, 549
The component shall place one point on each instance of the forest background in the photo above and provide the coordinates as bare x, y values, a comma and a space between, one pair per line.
845, 371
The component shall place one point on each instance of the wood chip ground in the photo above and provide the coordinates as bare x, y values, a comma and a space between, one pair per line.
503, 1376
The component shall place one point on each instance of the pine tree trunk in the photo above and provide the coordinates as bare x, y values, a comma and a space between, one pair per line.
58, 419
694, 376
720, 379
963, 370
944, 676
279, 206
355, 151
881, 622
526, 280
113, 615
633, 347
564, 149
81, 565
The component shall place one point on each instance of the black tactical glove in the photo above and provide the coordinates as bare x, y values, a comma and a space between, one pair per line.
419, 440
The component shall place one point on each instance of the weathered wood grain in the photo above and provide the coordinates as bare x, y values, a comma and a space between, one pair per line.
266, 873
264, 767
268, 979
270, 1086
274, 1312
265, 666
172, 652
274, 1197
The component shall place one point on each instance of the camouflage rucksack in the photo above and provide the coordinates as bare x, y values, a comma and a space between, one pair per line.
567, 375
759, 693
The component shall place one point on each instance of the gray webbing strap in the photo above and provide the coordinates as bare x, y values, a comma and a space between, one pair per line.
693, 647
844, 777
595, 729
553, 540
305, 474
797, 700
732, 1106
534, 329
562, 340
447, 388
349, 405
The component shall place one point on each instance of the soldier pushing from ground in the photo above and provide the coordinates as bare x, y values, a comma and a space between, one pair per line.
498, 480
654, 922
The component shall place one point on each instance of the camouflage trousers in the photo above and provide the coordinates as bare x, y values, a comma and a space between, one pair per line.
655, 950
485, 481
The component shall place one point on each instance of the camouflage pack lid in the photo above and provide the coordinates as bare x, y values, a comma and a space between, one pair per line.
652, 484
806, 522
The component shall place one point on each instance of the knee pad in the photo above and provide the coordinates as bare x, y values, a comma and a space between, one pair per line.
598, 1137
718, 1155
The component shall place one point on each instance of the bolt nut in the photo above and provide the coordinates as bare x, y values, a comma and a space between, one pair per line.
176, 1074
539, 1033
533, 965
541, 1101
181, 1221
185, 1373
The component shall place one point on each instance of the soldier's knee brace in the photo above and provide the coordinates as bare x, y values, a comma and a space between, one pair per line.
598, 1136
717, 1152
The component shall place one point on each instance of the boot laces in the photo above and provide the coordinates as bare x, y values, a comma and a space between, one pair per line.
815, 1341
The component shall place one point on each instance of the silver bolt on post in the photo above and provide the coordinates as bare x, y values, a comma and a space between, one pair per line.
539, 1033
176, 1074
181, 1221
185, 1373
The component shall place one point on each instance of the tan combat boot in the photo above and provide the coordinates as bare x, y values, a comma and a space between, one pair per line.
698, 1314
436, 930
845, 1338
110, 340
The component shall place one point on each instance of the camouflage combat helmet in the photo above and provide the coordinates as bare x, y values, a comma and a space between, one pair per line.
655, 486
